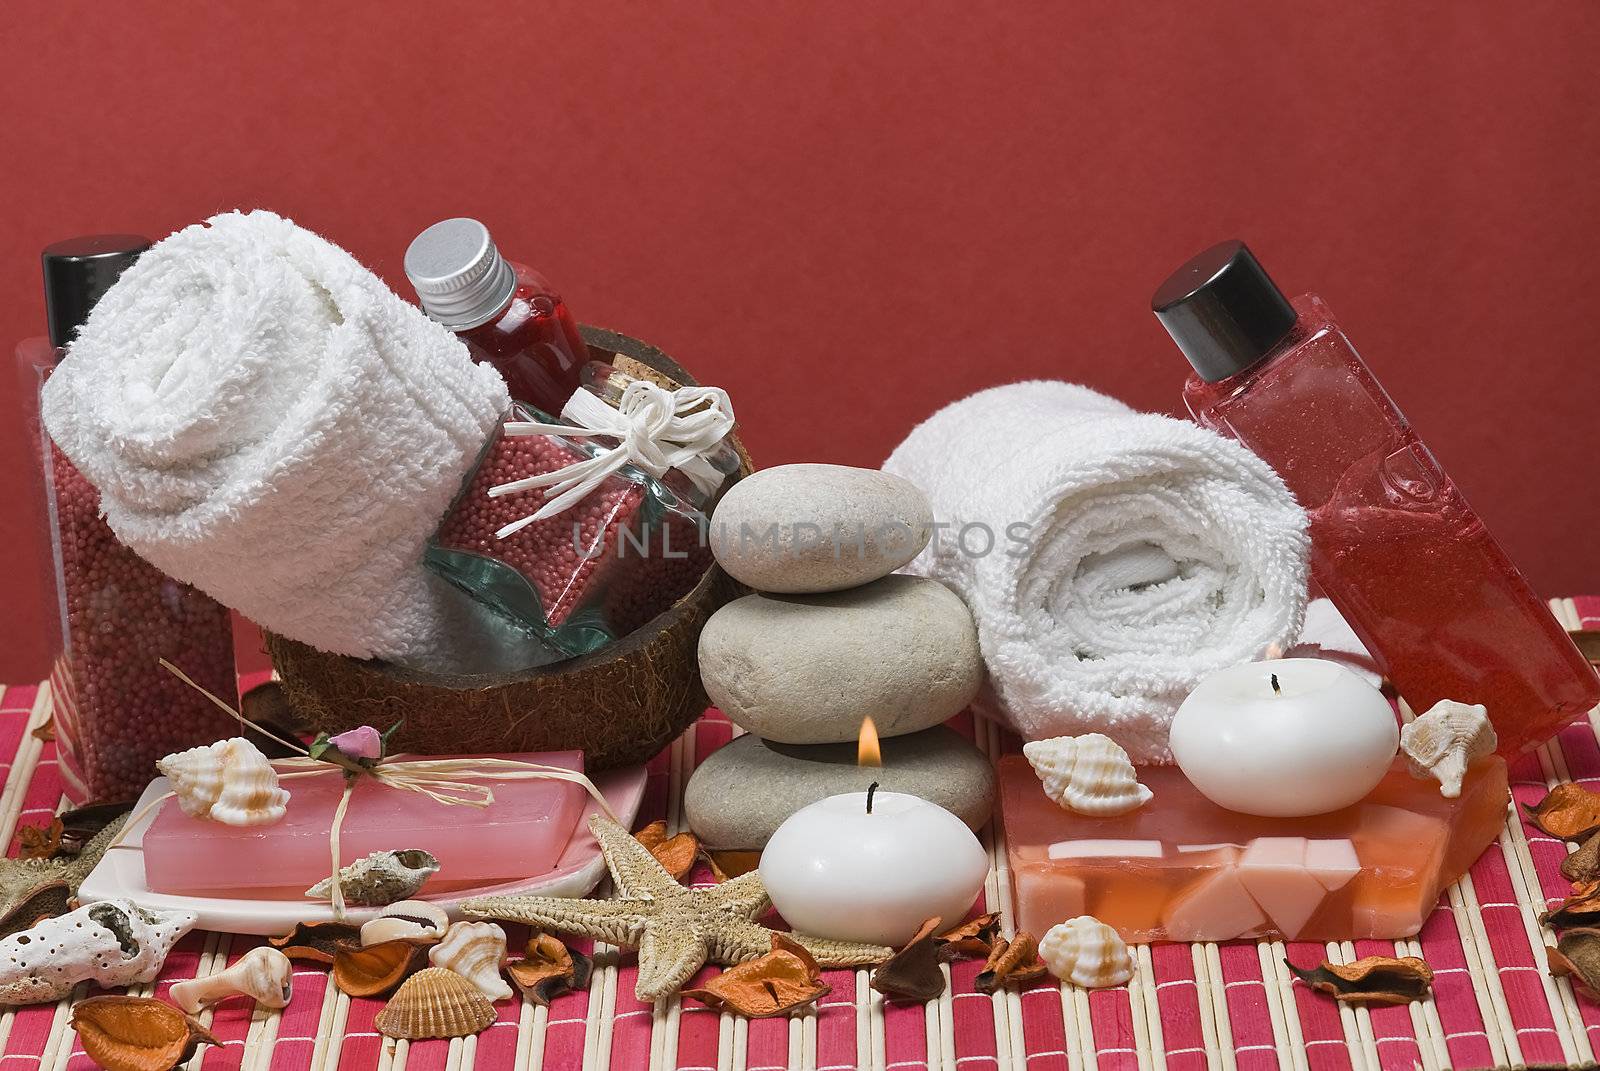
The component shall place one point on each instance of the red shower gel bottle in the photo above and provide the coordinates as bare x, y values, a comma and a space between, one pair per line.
509, 315
1394, 544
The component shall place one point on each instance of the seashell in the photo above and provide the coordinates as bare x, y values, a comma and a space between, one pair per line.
381, 878
435, 1003
1086, 952
413, 920
124, 1033
230, 782
474, 950
263, 974
113, 943
1089, 774
1443, 742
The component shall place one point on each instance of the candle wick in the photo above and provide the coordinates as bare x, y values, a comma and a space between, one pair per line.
1275, 689
870, 790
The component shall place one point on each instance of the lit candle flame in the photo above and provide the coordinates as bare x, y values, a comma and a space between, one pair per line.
1272, 653
868, 753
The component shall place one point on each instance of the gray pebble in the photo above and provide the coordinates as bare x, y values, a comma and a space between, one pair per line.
743, 791
811, 528
805, 669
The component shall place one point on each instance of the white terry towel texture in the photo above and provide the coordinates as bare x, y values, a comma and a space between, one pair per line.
1150, 553
268, 421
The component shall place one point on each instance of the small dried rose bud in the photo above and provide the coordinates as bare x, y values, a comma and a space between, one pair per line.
362, 742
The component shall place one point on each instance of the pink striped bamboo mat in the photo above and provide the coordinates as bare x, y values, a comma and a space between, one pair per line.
1231, 1007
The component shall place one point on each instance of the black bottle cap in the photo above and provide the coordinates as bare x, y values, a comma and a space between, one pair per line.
1223, 311
78, 271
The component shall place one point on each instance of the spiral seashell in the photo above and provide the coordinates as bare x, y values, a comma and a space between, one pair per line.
196, 777
1089, 774
230, 782
112, 943
435, 1003
411, 920
474, 950
1443, 742
381, 878
263, 974
1087, 953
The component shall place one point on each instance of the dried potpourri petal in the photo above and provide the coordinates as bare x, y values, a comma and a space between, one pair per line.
1577, 955
1584, 864
975, 937
549, 969
80, 825
777, 983
675, 854
1373, 980
376, 969
1011, 962
1568, 812
122, 1033
730, 863
46, 732
913, 972
316, 942
1582, 908
40, 842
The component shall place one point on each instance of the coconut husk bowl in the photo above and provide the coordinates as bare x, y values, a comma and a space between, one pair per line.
619, 705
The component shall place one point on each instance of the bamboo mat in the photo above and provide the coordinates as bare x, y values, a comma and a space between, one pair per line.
1229, 1007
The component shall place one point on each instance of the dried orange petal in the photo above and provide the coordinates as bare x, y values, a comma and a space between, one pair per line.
375, 969
975, 937
1014, 961
1577, 954
731, 864
774, 984
1568, 812
315, 941
549, 968
913, 972
123, 1033
677, 854
1373, 980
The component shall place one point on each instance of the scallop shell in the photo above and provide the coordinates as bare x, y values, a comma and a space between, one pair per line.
474, 950
1086, 952
412, 920
381, 878
1443, 742
230, 782
435, 1003
113, 943
1089, 774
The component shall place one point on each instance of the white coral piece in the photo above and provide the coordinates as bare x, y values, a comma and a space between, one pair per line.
1446, 740
1089, 774
230, 782
112, 943
1087, 953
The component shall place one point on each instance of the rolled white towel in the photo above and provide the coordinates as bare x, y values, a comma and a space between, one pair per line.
266, 420
1131, 555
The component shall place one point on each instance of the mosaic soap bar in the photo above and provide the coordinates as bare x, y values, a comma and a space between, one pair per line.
1183, 869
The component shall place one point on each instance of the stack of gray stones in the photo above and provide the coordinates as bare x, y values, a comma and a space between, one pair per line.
833, 635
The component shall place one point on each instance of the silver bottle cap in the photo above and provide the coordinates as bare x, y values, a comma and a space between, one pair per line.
460, 277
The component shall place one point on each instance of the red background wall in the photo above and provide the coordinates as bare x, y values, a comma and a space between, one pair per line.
849, 214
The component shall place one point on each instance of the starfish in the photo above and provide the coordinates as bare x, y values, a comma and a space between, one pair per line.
676, 929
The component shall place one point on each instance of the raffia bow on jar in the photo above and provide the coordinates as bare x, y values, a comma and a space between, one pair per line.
358, 755
584, 530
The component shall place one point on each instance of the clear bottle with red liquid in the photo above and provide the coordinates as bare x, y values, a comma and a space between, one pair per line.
1394, 544
117, 710
509, 315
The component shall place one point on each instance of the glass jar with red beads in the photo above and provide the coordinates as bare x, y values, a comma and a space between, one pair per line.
116, 708
574, 530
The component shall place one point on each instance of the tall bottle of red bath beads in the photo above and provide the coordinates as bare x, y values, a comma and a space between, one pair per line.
1394, 543
116, 709
508, 314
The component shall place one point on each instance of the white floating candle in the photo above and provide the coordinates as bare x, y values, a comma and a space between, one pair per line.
839, 869
1285, 737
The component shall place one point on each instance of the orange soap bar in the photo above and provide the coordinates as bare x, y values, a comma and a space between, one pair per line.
1180, 868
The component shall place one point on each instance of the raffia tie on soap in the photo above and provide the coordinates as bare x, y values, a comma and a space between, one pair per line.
441, 780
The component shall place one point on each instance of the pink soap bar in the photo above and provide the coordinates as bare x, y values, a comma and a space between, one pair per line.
521, 834
1180, 868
